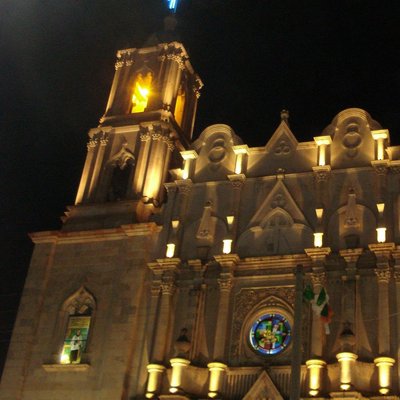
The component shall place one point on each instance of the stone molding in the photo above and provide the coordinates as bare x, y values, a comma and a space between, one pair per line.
66, 367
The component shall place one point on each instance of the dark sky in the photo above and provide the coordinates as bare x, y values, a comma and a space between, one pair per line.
255, 57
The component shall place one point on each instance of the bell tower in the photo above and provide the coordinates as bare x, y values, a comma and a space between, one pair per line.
148, 120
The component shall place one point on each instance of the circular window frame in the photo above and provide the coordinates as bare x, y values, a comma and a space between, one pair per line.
270, 315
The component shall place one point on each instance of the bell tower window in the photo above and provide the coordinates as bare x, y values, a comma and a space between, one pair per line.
180, 106
141, 92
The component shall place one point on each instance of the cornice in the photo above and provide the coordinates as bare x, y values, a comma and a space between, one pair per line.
99, 235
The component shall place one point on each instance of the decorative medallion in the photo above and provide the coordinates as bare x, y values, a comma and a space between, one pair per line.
270, 334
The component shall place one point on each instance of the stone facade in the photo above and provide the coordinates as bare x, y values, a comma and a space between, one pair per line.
178, 251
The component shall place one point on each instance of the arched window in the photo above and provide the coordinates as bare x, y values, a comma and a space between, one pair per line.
79, 309
141, 91
180, 106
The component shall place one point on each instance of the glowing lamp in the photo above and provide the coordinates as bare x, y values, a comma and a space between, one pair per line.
227, 246
230, 219
384, 365
170, 250
381, 235
346, 361
322, 142
315, 369
318, 239
178, 365
239, 151
379, 137
216, 378
154, 382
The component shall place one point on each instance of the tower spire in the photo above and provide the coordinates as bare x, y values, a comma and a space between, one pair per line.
173, 5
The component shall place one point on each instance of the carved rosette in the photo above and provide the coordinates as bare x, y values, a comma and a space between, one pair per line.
383, 274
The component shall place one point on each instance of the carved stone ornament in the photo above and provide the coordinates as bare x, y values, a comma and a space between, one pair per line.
322, 173
318, 278
397, 276
383, 275
124, 58
380, 167
282, 148
225, 285
278, 201
168, 288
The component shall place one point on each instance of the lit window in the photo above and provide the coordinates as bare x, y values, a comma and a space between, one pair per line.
75, 339
78, 312
179, 107
141, 92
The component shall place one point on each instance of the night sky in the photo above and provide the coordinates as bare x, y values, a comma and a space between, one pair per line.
255, 58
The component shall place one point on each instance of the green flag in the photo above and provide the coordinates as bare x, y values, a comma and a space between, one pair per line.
308, 293
321, 297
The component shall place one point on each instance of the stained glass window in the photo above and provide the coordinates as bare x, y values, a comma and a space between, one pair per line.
270, 334
75, 339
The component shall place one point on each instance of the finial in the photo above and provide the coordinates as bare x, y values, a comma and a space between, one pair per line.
285, 116
172, 5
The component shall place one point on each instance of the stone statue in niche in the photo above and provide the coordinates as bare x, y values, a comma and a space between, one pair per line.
121, 165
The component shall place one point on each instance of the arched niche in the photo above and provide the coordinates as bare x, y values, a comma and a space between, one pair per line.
277, 233
195, 247
357, 229
119, 174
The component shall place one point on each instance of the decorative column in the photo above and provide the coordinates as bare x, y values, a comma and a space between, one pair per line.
86, 173
315, 368
382, 252
165, 269
318, 276
237, 182
350, 279
383, 362
228, 263
102, 140
396, 256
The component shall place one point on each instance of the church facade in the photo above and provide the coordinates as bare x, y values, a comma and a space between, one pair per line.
210, 269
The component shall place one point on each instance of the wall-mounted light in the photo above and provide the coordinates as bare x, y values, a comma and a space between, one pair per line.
315, 369
318, 239
217, 371
175, 223
188, 157
379, 137
381, 235
384, 365
229, 220
170, 250
153, 384
322, 143
240, 151
178, 365
227, 246
346, 361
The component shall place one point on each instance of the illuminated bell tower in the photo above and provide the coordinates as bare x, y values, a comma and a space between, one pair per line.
148, 120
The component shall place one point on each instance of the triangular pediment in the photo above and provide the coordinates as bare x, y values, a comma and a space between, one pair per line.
263, 389
282, 142
279, 199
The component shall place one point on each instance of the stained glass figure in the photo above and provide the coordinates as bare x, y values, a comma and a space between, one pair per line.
270, 334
